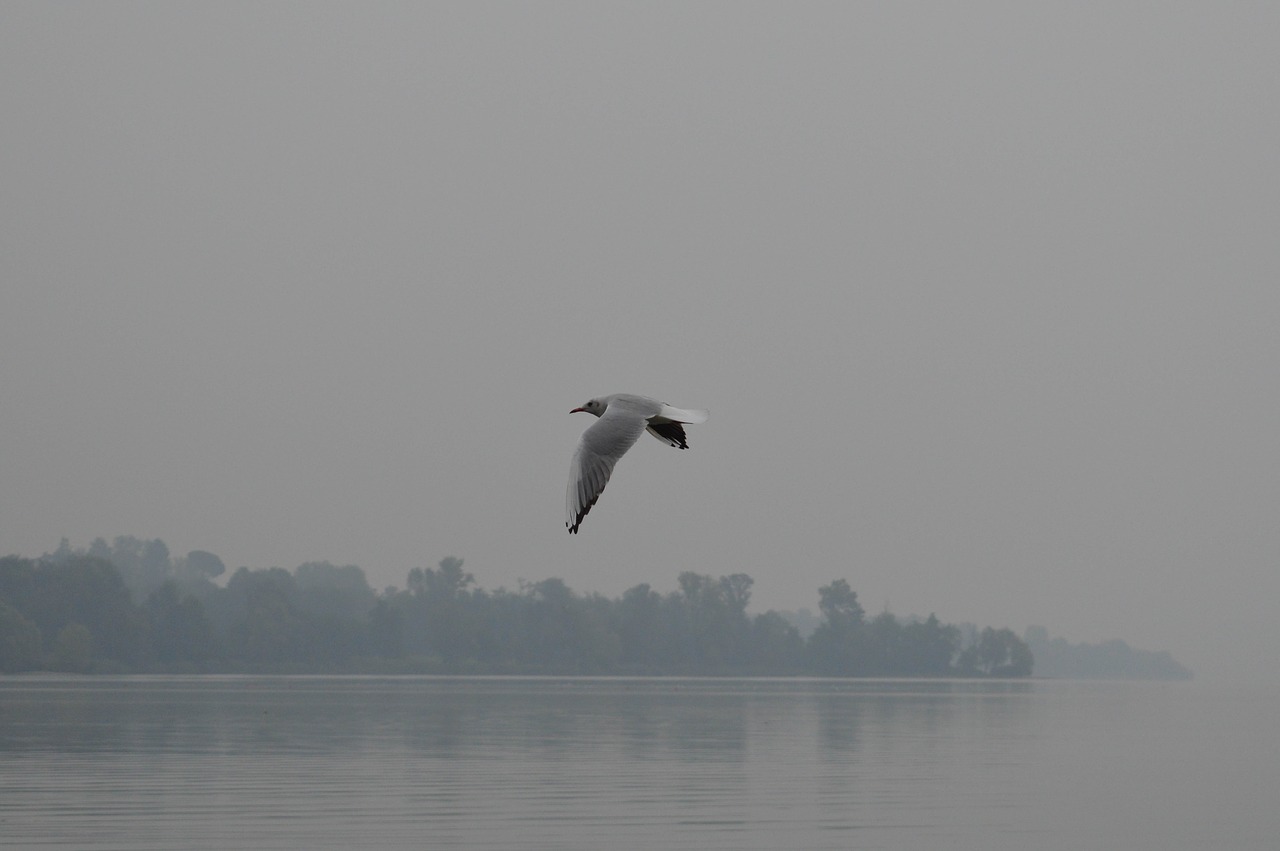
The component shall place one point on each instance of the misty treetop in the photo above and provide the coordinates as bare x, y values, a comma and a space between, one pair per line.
1114, 659
131, 606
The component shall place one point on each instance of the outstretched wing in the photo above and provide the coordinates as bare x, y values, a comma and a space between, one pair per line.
601, 446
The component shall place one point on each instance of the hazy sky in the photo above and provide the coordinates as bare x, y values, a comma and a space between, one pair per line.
983, 298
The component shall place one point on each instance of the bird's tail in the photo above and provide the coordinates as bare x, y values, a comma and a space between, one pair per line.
683, 415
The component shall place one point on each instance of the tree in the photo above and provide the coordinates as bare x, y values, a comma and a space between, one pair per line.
18, 581
736, 589
997, 653
323, 588
19, 641
637, 621
143, 565
566, 633
90, 592
884, 646
839, 605
438, 621
204, 564
717, 625
1020, 660
1057, 657
155, 564
266, 628
929, 647
838, 646
386, 630
180, 630
73, 649
775, 645
445, 583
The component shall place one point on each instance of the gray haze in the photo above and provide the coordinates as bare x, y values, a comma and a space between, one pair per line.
982, 297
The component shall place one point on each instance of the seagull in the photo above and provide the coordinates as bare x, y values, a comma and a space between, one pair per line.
623, 418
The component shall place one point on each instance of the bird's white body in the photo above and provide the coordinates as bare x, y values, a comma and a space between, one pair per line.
623, 418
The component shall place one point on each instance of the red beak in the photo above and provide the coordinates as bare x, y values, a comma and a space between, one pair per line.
578, 411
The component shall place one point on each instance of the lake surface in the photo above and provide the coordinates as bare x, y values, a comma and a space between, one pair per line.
549, 763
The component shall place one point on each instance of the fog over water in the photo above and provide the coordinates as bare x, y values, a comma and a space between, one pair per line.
982, 298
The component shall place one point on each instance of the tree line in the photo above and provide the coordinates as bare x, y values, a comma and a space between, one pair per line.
1114, 659
130, 607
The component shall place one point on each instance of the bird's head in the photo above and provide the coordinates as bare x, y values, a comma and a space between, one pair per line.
593, 406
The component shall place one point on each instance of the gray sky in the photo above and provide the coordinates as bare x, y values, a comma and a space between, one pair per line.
983, 298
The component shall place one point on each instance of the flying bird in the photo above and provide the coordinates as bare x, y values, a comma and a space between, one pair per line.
623, 418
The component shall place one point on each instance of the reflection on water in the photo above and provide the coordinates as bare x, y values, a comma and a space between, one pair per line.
291, 762
647, 718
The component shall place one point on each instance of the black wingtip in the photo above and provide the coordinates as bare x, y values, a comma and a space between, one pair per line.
577, 521
672, 433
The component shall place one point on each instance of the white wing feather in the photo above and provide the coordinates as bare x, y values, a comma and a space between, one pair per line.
682, 415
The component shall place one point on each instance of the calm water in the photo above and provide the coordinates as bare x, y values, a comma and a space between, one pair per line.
300, 762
